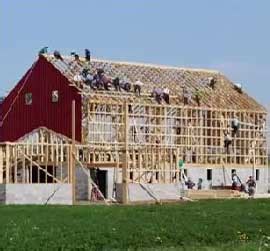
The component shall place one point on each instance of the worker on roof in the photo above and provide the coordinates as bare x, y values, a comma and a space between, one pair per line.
186, 95
157, 93
97, 79
106, 82
94, 83
198, 96
116, 84
87, 78
238, 87
57, 55
166, 95
212, 82
78, 78
235, 126
127, 87
138, 87
85, 71
76, 56
101, 80
44, 50
87, 55
97, 82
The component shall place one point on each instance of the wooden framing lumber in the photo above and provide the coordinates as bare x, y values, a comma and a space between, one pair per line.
125, 167
73, 164
146, 141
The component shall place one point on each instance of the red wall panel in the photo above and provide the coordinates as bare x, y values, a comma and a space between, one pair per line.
41, 80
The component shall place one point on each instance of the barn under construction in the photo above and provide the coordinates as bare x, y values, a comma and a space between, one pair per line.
63, 141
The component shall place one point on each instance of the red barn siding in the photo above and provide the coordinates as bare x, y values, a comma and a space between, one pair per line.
22, 118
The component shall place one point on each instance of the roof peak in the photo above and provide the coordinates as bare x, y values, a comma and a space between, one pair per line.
159, 66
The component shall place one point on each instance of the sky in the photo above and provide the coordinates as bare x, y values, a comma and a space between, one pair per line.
231, 36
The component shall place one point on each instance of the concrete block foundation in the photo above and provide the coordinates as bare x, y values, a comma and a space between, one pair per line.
150, 192
62, 193
36, 194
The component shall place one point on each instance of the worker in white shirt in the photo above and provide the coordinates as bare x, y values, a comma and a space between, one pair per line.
166, 95
235, 181
186, 95
138, 87
88, 80
227, 141
235, 126
77, 78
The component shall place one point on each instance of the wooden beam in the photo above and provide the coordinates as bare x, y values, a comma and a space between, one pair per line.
73, 165
7, 164
1, 165
16, 165
125, 168
39, 167
103, 165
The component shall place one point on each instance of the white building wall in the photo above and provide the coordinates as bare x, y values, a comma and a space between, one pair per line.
222, 176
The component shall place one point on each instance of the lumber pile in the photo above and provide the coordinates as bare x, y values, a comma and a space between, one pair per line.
213, 194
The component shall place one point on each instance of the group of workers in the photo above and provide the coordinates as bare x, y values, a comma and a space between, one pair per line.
160, 94
238, 185
100, 81
249, 188
190, 184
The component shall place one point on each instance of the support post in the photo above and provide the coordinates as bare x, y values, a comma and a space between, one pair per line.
23, 167
7, 163
1, 165
254, 162
16, 165
73, 165
177, 172
126, 157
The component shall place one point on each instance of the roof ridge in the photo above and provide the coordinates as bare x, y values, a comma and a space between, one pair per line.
160, 66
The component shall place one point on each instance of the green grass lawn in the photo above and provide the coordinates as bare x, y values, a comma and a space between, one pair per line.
204, 225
